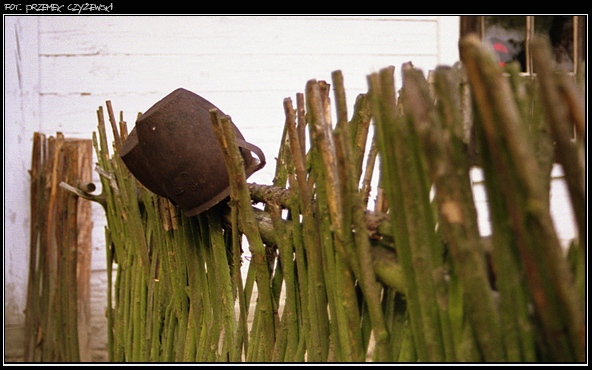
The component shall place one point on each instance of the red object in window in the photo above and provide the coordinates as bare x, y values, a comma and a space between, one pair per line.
502, 51
499, 47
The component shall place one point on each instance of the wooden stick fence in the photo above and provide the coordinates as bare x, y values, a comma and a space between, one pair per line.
330, 279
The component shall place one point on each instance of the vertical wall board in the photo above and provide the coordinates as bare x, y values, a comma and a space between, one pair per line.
21, 119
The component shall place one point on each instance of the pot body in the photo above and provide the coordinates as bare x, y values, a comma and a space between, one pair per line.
177, 153
132, 156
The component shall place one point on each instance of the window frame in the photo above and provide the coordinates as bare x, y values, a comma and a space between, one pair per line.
475, 24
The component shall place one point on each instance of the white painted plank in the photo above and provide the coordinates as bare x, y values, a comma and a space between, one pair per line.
242, 35
562, 212
139, 74
448, 32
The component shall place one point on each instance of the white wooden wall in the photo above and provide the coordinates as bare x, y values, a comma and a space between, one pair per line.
60, 69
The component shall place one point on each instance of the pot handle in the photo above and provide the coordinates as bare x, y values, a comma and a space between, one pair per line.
254, 149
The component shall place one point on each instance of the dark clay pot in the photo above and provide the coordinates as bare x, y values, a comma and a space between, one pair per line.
175, 153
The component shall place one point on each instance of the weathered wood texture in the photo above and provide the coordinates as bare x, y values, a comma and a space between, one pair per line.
58, 308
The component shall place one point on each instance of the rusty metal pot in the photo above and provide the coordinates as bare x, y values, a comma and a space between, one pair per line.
136, 162
177, 153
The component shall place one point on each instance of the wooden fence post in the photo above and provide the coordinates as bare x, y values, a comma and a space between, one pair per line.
57, 322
